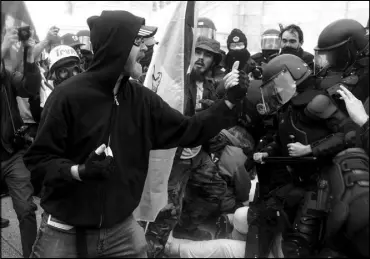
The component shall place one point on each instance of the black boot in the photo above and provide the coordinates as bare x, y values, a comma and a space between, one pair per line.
4, 223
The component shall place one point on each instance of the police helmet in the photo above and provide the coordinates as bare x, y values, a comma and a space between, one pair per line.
280, 79
206, 27
340, 43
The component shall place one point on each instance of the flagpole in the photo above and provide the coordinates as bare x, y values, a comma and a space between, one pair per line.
146, 226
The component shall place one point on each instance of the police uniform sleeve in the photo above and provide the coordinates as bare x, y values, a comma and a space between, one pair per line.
364, 136
322, 108
273, 148
172, 129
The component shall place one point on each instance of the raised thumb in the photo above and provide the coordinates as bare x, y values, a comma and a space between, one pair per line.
100, 149
236, 65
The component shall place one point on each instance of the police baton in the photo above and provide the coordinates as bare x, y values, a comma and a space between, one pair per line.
289, 160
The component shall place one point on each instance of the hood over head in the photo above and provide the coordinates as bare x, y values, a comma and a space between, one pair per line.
112, 35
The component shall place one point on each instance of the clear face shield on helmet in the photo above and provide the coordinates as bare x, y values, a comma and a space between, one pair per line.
206, 32
270, 42
276, 92
336, 58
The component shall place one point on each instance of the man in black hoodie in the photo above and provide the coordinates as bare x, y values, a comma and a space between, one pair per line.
89, 192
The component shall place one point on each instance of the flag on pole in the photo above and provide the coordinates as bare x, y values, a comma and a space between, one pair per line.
166, 76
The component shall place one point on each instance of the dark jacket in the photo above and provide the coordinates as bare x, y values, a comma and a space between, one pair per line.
363, 132
209, 92
12, 86
305, 115
76, 120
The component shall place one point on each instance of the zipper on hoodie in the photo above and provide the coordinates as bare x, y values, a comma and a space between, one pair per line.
101, 195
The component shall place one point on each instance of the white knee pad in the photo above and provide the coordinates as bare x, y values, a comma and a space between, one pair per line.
240, 223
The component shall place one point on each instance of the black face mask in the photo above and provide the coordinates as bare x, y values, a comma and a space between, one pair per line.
290, 50
241, 55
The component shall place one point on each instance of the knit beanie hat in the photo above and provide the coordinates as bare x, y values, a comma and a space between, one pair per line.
236, 36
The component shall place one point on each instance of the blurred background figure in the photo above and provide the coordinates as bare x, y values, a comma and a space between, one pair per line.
270, 46
206, 28
86, 49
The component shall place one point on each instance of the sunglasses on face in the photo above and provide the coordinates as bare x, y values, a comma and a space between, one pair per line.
139, 41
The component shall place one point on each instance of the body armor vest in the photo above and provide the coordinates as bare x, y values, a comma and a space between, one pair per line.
296, 126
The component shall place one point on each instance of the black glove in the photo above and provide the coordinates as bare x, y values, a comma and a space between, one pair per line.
237, 93
97, 167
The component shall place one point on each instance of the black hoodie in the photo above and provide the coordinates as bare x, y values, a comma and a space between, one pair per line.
76, 119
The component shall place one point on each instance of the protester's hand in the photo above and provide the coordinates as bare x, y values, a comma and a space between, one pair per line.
97, 166
297, 149
258, 157
236, 84
207, 102
10, 38
354, 106
52, 33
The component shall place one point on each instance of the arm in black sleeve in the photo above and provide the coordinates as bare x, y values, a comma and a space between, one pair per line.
172, 129
323, 108
364, 136
46, 158
29, 86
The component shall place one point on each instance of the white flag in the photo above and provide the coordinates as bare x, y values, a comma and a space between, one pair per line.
166, 76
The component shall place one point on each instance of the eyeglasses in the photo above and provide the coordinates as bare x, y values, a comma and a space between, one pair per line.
138, 41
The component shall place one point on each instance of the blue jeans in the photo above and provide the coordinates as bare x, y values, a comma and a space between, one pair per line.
126, 239
18, 180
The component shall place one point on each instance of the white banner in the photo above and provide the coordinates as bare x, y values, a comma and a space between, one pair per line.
166, 77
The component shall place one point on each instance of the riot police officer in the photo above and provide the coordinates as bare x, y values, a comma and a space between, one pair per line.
309, 124
270, 46
342, 57
206, 28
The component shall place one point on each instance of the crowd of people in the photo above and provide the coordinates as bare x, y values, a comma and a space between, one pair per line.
77, 126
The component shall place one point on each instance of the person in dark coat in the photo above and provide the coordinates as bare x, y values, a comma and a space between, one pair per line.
94, 140
291, 43
15, 137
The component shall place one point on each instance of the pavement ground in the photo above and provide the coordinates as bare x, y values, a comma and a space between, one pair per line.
10, 237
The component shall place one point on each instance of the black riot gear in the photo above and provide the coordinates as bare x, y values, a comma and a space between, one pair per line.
312, 119
280, 78
340, 44
206, 28
342, 58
